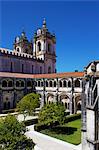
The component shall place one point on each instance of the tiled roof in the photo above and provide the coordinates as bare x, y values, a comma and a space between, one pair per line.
60, 75
53, 75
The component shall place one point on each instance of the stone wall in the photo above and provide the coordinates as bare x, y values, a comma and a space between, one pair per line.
50, 90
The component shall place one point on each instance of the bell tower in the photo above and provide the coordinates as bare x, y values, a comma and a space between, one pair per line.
44, 48
22, 45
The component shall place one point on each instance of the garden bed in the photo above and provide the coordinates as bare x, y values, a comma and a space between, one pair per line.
69, 132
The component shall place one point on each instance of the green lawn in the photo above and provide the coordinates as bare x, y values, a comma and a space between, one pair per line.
69, 132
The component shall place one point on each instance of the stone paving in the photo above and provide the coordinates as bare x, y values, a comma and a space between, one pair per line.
45, 142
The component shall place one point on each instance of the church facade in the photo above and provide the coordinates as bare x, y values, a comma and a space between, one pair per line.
31, 67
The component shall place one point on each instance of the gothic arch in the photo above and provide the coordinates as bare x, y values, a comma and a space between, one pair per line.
77, 83
78, 103
39, 84
42, 83
7, 100
49, 69
69, 83
4, 83
22, 83
46, 83
60, 83
17, 83
65, 100
49, 47
64, 83
54, 83
39, 46
10, 83
50, 83
50, 98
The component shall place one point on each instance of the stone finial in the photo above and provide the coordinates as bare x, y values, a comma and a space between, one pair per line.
93, 68
23, 34
44, 23
17, 39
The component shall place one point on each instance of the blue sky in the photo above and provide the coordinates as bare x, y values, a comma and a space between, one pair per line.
76, 25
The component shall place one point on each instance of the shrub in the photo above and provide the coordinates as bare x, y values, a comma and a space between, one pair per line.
72, 117
28, 104
51, 115
30, 122
12, 135
39, 127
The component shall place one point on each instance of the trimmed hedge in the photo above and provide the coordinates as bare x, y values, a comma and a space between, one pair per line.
39, 127
30, 122
9, 111
72, 117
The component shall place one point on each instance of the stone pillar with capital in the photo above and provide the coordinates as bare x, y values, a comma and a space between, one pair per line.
72, 97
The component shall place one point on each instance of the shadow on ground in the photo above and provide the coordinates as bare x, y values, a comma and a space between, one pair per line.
63, 130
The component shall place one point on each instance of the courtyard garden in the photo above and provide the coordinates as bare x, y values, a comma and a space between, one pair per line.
69, 132
53, 121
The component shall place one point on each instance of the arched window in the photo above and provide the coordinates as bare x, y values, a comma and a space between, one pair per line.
29, 84
46, 84
42, 83
17, 49
54, 83
66, 105
22, 84
49, 69
17, 83
79, 106
50, 83
69, 83
49, 47
60, 83
35, 83
64, 83
38, 83
77, 83
39, 46
4, 83
10, 84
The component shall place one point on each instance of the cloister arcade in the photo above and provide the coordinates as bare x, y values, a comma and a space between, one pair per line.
54, 89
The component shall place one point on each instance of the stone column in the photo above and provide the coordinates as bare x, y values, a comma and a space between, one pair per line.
72, 97
83, 117
57, 90
1, 101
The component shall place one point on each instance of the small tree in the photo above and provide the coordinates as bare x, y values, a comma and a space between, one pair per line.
28, 104
12, 135
51, 114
